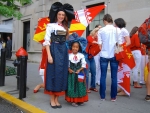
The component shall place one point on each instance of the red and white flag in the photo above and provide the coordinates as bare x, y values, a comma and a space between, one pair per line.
124, 70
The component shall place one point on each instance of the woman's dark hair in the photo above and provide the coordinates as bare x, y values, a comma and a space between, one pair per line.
133, 31
120, 22
64, 22
97, 25
80, 49
108, 18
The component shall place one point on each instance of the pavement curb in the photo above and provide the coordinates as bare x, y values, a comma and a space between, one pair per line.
27, 108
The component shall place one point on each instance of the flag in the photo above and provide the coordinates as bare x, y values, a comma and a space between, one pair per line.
80, 77
124, 70
123, 77
41, 29
82, 19
129, 59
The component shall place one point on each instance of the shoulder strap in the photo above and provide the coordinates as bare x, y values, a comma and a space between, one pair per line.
117, 36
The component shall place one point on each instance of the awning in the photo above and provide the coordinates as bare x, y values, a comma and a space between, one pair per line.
6, 28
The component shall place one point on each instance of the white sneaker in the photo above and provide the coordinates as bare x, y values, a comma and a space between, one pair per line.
102, 99
113, 99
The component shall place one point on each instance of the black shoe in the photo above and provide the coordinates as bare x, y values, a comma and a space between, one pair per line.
147, 98
53, 106
59, 106
133, 83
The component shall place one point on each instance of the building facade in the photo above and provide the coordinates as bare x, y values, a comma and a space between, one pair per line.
134, 12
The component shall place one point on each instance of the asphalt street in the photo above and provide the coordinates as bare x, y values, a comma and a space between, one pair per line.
6, 107
124, 104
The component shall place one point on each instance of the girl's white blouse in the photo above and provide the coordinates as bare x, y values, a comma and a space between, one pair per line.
51, 27
80, 56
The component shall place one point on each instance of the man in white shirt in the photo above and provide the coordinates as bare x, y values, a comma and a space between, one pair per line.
108, 36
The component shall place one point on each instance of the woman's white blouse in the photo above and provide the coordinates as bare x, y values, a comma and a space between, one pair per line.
79, 57
51, 27
124, 33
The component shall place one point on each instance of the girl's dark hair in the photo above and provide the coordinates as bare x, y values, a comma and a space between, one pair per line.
133, 31
80, 49
64, 22
120, 22
108, 18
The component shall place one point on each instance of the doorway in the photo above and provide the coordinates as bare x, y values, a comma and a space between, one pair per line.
26, 35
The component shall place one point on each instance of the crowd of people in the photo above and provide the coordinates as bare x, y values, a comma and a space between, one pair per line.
67, 73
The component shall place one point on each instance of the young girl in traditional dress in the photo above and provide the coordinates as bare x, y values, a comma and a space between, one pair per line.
76, 92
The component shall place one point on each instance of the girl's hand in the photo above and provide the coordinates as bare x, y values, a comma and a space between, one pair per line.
78, 71
50, 59
71, 71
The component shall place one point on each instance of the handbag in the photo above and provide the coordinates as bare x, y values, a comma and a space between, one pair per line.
119, 52
92, 49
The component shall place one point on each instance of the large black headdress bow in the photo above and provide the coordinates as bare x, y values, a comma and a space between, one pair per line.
57, 6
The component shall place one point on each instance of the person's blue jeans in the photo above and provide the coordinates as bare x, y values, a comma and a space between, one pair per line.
114, 69
92, 69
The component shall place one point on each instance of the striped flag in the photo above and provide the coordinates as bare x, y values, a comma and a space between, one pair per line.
80, 77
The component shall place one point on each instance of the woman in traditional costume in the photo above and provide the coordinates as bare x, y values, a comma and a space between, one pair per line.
76, 91
57, 67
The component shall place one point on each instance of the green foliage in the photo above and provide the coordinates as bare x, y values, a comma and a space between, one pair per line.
8, 8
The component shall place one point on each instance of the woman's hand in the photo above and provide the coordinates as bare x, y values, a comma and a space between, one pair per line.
100, 46
50, 59
39, 19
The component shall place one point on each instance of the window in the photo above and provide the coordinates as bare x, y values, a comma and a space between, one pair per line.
26, 35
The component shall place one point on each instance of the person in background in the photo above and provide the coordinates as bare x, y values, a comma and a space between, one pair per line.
124, 87
147, 97
91, 39
135, 47
9, 47
144, 63
97, 59
107, 41
3, 43
42, 69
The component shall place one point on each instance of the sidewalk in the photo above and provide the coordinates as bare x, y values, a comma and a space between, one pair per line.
124, 104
